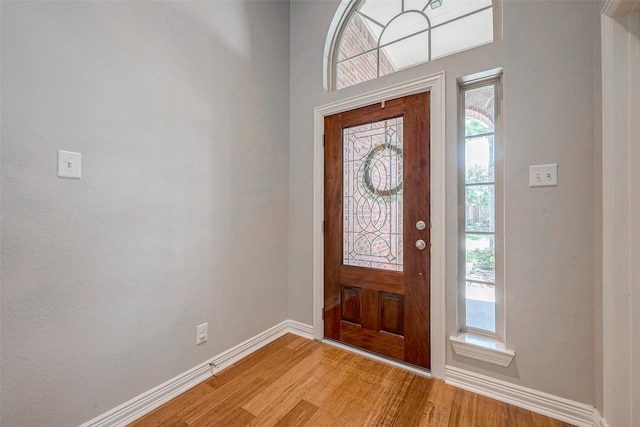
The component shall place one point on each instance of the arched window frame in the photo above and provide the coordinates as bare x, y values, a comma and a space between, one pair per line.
341, 17
340, 21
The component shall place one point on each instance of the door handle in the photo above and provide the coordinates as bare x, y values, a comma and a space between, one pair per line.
420, 244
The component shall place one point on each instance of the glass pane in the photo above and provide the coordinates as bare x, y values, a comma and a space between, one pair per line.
404, 25
480, 304
479, 107
465, 33
480, 208
407, 52
446, 10
418, 5
356, 39
381, 11
357, 70
372, 195
481, 258
479, 165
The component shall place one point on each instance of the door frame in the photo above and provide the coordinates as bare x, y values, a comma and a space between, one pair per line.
620, 211
436, 85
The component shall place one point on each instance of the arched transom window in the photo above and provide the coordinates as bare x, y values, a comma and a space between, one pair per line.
379, 37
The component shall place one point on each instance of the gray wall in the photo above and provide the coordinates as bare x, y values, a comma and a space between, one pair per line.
549, 55
196, 201
180, 111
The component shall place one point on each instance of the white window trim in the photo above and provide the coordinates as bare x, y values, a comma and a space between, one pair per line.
480, 345
486, 349
331, 42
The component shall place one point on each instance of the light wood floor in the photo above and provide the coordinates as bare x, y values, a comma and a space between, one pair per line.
297, 382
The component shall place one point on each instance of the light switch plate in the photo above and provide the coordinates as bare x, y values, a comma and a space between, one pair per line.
69, 164
543, 175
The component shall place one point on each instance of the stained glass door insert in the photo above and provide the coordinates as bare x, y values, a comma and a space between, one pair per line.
372, 195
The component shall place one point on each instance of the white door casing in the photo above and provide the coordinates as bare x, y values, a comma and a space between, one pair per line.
435, 84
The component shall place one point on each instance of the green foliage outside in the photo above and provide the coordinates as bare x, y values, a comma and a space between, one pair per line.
479, 196
484, 259
475, 127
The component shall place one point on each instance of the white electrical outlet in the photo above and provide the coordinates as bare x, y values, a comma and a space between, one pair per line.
202, 331
543, 175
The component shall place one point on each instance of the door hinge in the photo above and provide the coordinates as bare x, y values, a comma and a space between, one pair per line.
322, 313
323, 140
322, 227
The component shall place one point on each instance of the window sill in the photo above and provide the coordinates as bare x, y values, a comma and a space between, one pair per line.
486, 349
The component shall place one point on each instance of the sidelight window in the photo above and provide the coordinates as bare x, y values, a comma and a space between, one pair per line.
481, 232
479, 200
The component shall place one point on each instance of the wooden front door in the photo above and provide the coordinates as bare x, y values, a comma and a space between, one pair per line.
377, 229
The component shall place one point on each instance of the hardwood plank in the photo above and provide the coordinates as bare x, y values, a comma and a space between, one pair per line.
239, 417
353, 409
298, 382
297, 343
276, 352
323, 418
299, 415
542, 421
174, 421
206, 406
442, 394
329, 374
167, 412
414, 404
283, 394
239, 380
343, 395
464, 409
274, 404
491, 413
375, 405
397, 389
241, 397
435, 415
519, 417
236, 418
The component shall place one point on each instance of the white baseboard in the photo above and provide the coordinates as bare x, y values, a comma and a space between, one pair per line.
566, 410
300, 329
150, 400
598, 419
